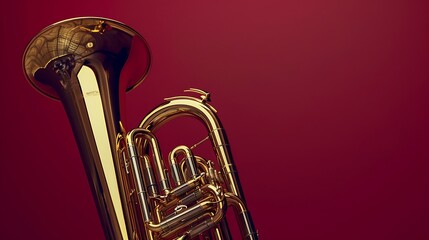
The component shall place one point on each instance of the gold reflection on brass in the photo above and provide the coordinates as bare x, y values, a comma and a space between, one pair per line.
94, 108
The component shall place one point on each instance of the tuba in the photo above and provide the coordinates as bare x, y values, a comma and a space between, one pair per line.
87, 64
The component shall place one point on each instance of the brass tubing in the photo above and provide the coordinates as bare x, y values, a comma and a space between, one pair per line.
202, 227
138, 180
206, 225
217, 234
202, 164
175, 170
191, 198
189, 106
188, 214
184, 188
187, 200
150, 177
135, 218
181, 106
189, 158
215, 217
183, 169
185, 235
244, 219
151, 139
174, 197
222, 231
204, 198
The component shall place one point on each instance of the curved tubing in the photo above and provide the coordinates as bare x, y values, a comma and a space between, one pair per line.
182, 106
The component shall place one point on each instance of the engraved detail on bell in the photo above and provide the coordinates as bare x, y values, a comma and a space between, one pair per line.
93, 93
57, 41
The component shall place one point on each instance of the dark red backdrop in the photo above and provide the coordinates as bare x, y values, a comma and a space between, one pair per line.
325, 104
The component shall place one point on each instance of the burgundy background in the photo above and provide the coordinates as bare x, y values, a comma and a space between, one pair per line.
325, 104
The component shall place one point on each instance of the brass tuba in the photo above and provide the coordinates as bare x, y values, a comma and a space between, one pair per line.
84, 62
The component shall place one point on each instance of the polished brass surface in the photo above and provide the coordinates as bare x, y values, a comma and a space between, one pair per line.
80, 62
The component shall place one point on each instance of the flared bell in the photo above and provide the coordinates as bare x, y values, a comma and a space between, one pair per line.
65, 46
